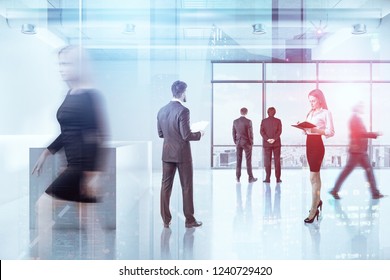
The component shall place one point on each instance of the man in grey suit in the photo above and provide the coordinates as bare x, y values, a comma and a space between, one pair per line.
173, 124
243, 138
270, 130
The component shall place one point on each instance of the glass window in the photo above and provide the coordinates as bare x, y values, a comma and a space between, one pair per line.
237, 71
229, 98
225, 157
341, 98
291, 104
381, 112
380, 71
290, 71
344, 72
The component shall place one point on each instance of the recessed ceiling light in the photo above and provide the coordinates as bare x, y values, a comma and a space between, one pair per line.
28, 28
129, 28
359, 29
258, 29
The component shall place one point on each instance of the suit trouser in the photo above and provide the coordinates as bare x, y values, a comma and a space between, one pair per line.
357, 159
268, 159
186, 181
248, 155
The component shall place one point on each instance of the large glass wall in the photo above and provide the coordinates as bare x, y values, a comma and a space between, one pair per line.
230, 97
289, 99
285, 86
380, 118
239, 86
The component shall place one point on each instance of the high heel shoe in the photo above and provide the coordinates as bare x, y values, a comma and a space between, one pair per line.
309, 221
320, 205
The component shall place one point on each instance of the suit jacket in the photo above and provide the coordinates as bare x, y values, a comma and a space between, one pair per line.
359, 135
242, 131
173, 124
271, 128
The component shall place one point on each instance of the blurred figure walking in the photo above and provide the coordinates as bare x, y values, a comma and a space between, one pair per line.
358, 153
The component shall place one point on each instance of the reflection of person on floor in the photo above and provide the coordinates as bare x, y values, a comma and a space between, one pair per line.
240, 210
188, 244
270, 131
358, 153
82, 123
164, 244
362, 229
173, 124
315, 235
243, 221
272, 234
272, 212
243, 139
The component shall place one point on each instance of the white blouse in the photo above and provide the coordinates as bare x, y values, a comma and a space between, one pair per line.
323, 120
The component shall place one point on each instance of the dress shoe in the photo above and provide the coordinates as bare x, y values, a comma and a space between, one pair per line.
310, 221
377, 196
166, 225
266, 181
194, 224
334, 194
252, 180
278, 181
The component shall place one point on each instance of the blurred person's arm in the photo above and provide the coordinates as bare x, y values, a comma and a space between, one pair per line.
250, 132
54, 147
358, 130
278, 129
41, 160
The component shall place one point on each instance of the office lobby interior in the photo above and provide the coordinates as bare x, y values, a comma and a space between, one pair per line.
231, 54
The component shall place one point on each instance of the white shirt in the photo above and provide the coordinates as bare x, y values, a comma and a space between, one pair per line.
178, 100
322, 119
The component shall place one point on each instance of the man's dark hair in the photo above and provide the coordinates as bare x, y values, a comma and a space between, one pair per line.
271, 111
244, 111
178, 88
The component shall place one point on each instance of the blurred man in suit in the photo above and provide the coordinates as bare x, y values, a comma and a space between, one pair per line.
173, 124
357, 153
243, 138
270, 130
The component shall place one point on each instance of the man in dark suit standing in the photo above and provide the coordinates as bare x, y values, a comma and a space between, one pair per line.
358, 153
243, 138
270, 130
173, 124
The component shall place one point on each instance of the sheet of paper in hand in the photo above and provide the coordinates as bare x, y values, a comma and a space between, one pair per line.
198, 126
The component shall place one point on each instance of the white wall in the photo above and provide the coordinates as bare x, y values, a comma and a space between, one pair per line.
29, 82
30, 92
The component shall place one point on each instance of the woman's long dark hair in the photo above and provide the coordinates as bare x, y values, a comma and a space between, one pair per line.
317, 93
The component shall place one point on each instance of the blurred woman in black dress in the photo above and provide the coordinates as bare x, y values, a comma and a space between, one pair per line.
82, 131
82, 122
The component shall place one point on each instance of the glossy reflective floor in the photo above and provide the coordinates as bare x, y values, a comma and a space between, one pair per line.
241, 221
